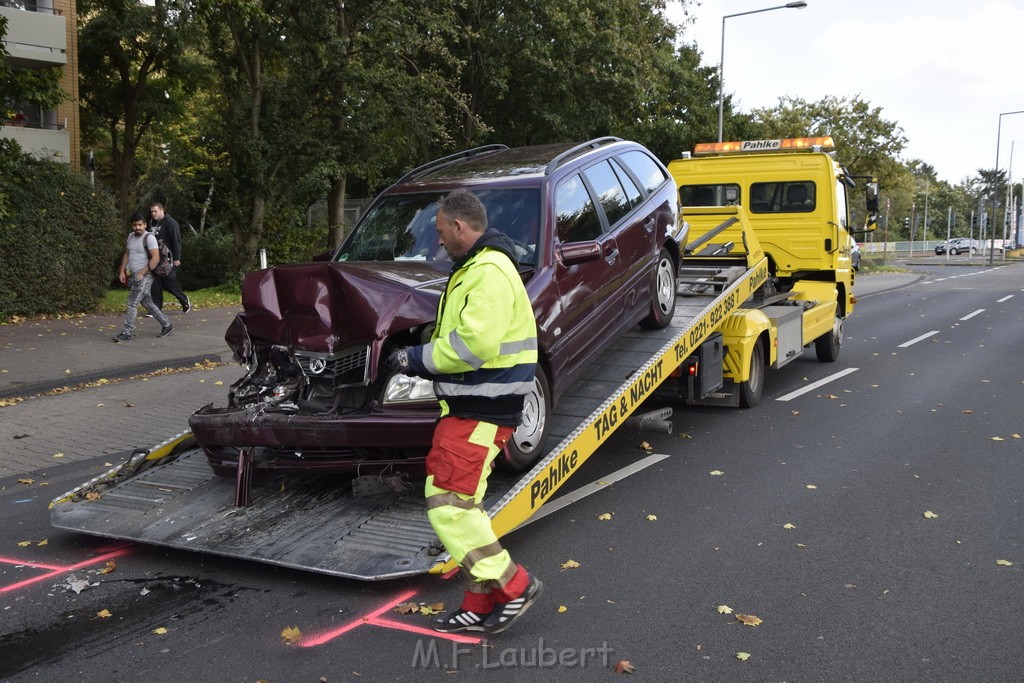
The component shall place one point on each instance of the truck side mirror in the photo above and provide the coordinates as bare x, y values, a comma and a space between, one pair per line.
871, 196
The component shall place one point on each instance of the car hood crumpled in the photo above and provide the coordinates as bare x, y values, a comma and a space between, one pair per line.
325, 307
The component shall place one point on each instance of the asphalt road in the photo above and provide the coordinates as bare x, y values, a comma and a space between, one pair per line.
861, 585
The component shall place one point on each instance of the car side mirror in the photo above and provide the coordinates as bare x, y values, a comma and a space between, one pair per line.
323, 255
576, 253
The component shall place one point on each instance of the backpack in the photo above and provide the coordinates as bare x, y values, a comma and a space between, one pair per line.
166, 260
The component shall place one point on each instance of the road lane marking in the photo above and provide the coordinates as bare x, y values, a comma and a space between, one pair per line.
917, 339
814, 385
1005, 298
971, 315
584, 491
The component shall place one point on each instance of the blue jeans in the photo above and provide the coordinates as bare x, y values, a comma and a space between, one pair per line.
140, 294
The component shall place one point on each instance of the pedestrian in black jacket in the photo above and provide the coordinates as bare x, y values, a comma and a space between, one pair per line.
166, 229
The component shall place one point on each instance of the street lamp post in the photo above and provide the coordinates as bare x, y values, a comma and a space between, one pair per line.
999, 132
721, 59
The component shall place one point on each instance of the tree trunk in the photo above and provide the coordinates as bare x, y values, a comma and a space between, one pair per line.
336, 213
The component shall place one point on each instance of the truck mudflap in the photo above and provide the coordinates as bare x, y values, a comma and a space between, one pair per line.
169, 495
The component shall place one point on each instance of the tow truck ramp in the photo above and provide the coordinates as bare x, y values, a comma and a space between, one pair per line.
169, 496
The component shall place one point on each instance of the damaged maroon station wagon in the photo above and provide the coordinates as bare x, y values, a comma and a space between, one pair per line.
598, 237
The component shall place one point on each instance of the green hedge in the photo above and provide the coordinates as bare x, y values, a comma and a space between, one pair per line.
57, 237
207, 260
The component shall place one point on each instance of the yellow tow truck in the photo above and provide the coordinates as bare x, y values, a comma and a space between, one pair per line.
793, 196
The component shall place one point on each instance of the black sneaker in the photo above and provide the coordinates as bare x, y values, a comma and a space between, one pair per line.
122, 337
166, 330
504, 615
187, 306
461, 620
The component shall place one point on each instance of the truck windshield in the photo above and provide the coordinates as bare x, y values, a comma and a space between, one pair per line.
783, 197
402, 227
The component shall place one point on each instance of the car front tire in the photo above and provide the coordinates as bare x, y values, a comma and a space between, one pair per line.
526, 446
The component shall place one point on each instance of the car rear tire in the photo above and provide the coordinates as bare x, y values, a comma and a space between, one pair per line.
663, 299
827, 345
750, 391
526, 446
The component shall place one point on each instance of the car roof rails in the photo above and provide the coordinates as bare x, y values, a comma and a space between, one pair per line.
445, 161
592, 144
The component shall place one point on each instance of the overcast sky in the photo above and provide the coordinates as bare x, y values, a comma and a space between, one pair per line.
942, 69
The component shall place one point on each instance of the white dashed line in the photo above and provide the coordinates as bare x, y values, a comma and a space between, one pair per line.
815, 385
1005, 298
971, 315
917, 339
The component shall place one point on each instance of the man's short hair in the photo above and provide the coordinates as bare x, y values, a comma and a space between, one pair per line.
137, 217
465, 206
157, 204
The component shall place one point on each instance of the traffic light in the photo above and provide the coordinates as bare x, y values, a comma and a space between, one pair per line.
974, 221
906, 223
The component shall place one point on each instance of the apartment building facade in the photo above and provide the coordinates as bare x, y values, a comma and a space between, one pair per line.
42, 34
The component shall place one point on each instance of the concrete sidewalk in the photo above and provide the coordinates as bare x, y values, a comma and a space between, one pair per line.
39, 355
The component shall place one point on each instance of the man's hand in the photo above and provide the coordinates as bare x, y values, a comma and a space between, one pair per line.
397, 362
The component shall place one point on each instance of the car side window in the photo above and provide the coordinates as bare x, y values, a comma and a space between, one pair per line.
783, 197
577, 219
633, 193
645, 168
608, 190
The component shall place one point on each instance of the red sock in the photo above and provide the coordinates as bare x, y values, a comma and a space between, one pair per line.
481, 603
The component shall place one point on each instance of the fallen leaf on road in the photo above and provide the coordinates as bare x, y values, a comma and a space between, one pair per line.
800, 545
997, 438
562, 608
652, 518
570, 564
24, 544
624, 667
26, 481
92, 495
429, 610
291, 635
1004, 563
811, 486
788, 525
218, 383
19, 436
408, 608
1014, 436
724, 609
684, 435
111, 566
646, 446
58, 455
795, 412
160, 630
104, 614
42, 542
716, 473
743, 656
605, 517
930, 515
748, 619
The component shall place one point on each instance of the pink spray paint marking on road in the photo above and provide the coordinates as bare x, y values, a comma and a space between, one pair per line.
53, 570
374, 618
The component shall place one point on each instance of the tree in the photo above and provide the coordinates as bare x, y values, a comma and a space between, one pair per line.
40, 87
132, 58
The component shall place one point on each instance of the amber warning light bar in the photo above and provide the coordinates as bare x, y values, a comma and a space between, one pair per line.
782, 145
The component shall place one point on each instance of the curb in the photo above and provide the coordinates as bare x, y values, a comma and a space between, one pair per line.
32, 388
918, 277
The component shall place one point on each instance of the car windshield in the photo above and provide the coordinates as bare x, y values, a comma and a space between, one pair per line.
401, 227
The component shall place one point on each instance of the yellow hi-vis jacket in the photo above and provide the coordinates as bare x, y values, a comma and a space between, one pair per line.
483, 353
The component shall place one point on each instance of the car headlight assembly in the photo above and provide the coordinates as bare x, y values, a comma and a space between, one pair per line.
405, 389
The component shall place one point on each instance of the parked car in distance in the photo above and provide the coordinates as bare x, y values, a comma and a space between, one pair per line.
958, 245
598, 236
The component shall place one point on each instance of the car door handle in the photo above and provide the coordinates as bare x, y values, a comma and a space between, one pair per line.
649, 225
610, 256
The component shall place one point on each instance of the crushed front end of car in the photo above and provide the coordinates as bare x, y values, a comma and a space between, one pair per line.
312, 398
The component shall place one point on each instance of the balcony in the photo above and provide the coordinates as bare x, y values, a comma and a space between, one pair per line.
43, 143
36, 34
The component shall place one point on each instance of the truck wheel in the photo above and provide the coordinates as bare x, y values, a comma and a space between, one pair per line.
827, 345
526, 446
663, 300
750, 391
